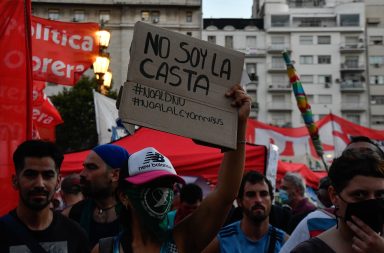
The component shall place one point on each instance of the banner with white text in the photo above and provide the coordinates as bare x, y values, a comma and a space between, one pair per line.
62, 51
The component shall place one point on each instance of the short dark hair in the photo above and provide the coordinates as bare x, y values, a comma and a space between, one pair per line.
361, 138
191, 193
37, 148
254, 177
353, 163
324, 183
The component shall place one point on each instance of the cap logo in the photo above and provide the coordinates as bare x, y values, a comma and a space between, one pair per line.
154, 157
154, 160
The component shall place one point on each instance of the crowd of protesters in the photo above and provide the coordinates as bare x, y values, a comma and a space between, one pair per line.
122, 202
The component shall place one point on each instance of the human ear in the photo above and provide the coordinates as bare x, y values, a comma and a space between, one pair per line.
15, 182
333, 196
115, 175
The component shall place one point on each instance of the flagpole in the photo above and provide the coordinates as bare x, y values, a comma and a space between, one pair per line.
304, 106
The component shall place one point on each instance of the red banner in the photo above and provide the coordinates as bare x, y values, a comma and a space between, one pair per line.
15, 90
62, 51
295, 145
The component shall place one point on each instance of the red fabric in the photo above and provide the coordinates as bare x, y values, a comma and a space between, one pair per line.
188, 158
62, 51
311, 177
334, 133
15, 90
46, 115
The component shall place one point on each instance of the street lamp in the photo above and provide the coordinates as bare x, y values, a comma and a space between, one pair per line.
100, 66
107, 79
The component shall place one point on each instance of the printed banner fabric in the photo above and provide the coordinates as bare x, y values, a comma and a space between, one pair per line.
62, 51
15, 91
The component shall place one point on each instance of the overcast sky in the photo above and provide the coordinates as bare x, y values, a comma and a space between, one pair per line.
227, 8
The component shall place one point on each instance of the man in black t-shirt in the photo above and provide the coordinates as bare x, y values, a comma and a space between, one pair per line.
33, 226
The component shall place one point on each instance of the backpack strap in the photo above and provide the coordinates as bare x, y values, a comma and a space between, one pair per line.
272, 240
20, 232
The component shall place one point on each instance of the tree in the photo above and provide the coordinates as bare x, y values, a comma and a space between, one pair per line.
78, 132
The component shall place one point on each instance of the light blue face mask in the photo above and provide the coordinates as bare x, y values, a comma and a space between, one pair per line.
283, 196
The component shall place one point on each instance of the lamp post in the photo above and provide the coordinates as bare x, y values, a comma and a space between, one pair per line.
100, 66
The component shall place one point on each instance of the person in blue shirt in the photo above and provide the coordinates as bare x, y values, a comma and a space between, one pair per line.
252, 233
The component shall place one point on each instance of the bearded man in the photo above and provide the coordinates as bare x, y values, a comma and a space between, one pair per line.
252, 233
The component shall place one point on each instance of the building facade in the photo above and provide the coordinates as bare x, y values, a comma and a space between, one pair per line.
327, 42
375, 56
119, 17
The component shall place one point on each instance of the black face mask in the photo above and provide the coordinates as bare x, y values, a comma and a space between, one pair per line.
371, 212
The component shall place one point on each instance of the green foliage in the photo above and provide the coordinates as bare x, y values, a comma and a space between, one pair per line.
78, 132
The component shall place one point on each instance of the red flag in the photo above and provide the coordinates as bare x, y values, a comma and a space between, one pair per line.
38, 95
15, 90
62, 51
46, 115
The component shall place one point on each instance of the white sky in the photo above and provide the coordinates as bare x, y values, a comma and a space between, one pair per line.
227, 8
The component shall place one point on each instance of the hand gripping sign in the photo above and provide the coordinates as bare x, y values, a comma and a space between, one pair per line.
176, 83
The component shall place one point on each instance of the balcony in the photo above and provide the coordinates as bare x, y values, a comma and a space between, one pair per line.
253, 52
352, 86
355, 107
278, 48
279, 106
277, 67
351, 67
279, 88
305, 3
352, 48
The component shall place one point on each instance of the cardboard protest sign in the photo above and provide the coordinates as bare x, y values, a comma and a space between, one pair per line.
168, 112
193, 71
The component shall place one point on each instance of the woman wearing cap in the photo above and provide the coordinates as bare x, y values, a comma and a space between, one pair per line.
146, 194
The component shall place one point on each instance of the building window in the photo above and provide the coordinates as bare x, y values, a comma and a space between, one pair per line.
189, 34
352, 61
376, 60
250, 41
308, 79
212, 39
278, 98
279, 80
325, 99
104, 16
53, 14
349, 20
278, 62
354, 118
145, 15
376, 40
310, 99
306, 59
229, 41
78, 15
251, 70
189, 17
155, 16
378, 80
351, 41
377, 120
306, 40
280, 119
280, 20
324, 59
325, 79
326, 39
277, 40
377, 100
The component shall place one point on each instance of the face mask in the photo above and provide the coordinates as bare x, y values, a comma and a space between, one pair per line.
283, 195
152, 204
371, 212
